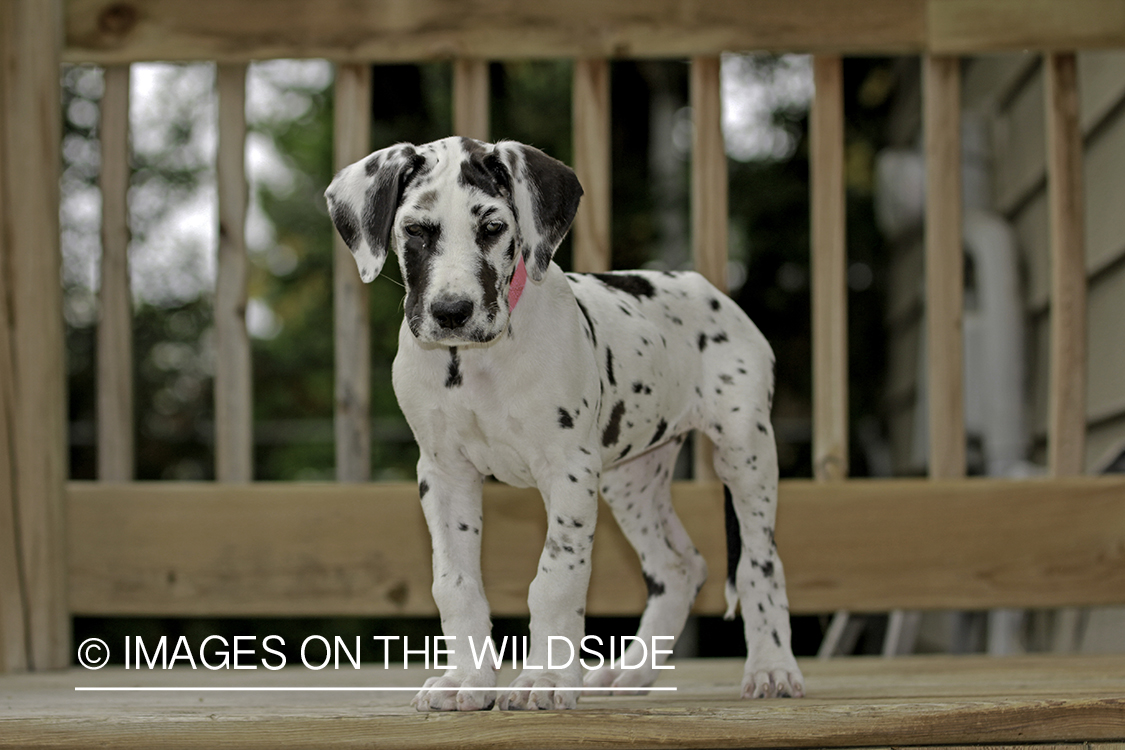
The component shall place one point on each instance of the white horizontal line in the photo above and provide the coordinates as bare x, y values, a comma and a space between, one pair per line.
165, 689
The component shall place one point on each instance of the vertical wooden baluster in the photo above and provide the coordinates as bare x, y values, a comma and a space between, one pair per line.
941, 114
353, 328
35, 376
13, 597
115, 319
829, 290
708, 172
471, 94
1066, 445
13, 609
708, 199
592, 245
944, 265
234, 449
1066, 441
829, 272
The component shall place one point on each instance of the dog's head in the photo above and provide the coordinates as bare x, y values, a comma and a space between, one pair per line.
457, 212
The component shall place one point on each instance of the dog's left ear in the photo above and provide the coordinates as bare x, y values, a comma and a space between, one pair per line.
545, 193
363, 200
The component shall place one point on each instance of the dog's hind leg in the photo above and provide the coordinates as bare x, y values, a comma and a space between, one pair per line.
639, 494
746, 462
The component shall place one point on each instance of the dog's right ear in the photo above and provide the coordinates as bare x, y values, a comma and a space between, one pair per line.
363, 200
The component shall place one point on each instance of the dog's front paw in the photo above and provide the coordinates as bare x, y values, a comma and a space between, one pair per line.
773, 680
541, 690
457, 691
629, 681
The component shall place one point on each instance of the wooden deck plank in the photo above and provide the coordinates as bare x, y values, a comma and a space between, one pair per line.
316, 549
861, 702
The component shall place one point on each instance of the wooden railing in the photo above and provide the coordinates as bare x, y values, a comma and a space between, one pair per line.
234, 547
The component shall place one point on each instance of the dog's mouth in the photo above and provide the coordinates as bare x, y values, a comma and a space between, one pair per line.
430, 332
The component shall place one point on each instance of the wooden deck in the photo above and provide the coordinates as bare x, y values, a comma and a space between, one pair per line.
857, 702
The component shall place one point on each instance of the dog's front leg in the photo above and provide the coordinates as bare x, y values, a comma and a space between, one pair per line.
452, 505
557, 599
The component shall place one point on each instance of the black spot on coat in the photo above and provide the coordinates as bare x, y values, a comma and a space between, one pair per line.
734, 535
565, 420
613, 428
655, 587
633, 284
453, 376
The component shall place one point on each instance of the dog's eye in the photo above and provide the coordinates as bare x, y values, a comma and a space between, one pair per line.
414, 230
494, 227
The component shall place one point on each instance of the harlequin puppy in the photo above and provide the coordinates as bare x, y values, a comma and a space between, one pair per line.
572, 384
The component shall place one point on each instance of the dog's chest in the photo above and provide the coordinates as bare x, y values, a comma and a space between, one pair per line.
467, 407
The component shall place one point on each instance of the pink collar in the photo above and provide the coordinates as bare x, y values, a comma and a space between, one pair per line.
519, 280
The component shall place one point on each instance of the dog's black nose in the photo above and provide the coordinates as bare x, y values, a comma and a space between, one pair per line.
453, 313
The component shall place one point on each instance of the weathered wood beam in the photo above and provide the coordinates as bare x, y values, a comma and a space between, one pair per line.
333, 549
30, 133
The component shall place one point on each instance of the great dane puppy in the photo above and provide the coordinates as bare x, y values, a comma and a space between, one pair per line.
572, 384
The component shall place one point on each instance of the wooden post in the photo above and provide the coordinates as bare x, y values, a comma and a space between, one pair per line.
829, 291
941, 87
13, 598
353, 330
115, 315
708, 199
470, 99
592, 244
1066, 445
33, 380
829, 272
708, 172
941, 114
234, 442
1066, 441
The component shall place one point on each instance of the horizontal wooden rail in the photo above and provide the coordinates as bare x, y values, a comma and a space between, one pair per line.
301, 549
112, 31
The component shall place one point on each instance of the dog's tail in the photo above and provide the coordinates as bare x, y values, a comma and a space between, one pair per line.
734, 552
